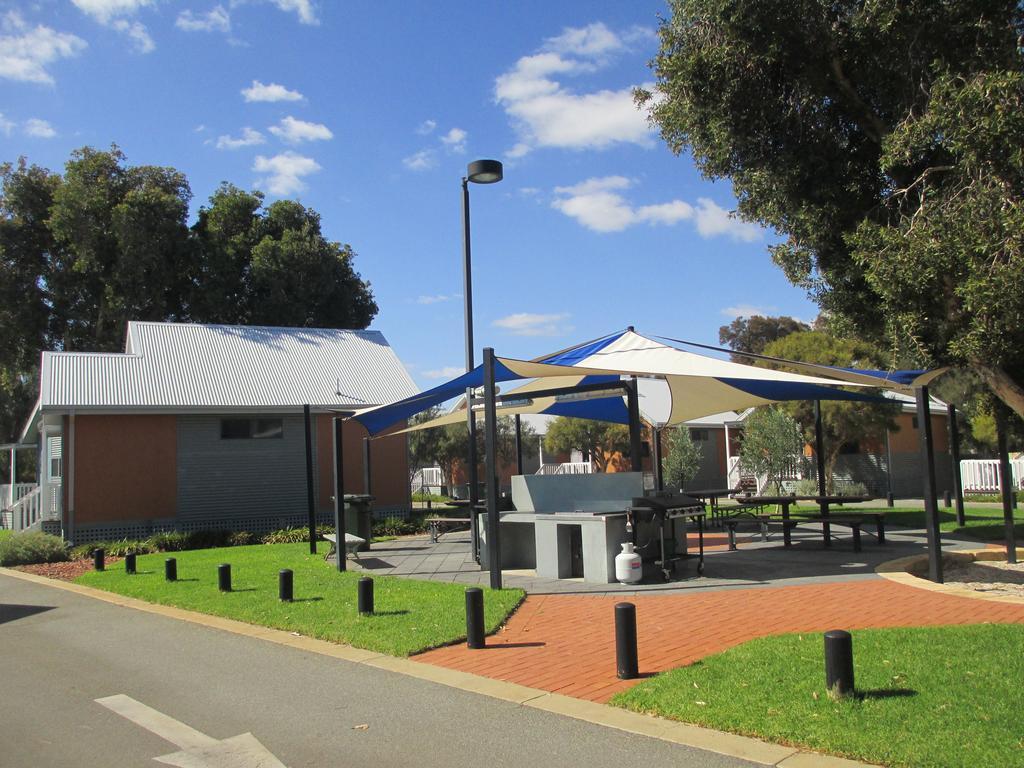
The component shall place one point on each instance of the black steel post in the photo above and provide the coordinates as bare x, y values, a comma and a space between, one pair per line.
633, 405
474, 618
1006, 485
931, 507
890, 499
491, 458
310, 503
627, 665
99, 559
954, 453
365, 596
285, 585
947, 499
339, 493
224, 577
819, 458
467, 292
519, 445
129, 563
367, 467
659, 474
171, 569
839, 663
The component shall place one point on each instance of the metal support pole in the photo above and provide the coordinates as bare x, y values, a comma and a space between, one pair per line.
888, 464
819, 457
633, 404
467, 292
954, 452
491, 458
659, 475
285, 585
310, 504
1006, 485
339, 494
626, 661
838, 663
367, 467
171, 569
364, 597
475, 618
519, 445
931, 507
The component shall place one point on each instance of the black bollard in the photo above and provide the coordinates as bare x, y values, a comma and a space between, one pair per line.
947, 499
365, 595
626, 662
838, 663
99, 559
224, 577
171, 569
889, 499
129, 563
285, 583
475, 618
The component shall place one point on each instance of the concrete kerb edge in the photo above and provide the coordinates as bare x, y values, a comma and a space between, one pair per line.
899, 571
728, 744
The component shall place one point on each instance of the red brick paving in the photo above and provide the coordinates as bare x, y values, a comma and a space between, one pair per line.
566, 643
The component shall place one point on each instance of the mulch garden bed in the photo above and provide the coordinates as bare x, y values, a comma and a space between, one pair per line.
68, 571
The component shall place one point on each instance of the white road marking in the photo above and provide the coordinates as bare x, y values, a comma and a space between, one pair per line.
197, 749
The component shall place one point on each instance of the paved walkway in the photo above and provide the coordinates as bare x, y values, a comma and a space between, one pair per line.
566, 643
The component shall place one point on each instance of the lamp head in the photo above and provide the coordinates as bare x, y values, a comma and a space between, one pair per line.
484, 171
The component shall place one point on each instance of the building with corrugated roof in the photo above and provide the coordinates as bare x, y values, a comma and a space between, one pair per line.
202, 426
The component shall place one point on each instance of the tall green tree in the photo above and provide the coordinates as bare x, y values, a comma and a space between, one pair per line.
682, 458
770, 446
882, 139
600, 439
842, 422
754, 333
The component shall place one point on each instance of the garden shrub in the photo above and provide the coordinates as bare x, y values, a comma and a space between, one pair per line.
293, 535
30, 547
242, 539
396, 526
169, 541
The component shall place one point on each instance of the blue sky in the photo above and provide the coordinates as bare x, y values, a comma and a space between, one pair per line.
369, 112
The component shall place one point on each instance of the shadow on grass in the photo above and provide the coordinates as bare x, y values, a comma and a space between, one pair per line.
245, 589
386, 613
887, 693
307, 599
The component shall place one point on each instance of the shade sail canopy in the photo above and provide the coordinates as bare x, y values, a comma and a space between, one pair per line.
699, 385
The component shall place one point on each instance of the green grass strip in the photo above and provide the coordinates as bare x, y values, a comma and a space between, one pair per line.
943, 696
982, 523
411, 615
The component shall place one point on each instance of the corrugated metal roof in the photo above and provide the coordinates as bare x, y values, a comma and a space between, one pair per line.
186, 367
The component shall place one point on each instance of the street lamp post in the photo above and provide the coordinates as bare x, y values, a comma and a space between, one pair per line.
478, 172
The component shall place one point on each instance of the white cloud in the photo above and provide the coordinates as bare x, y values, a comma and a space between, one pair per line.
432, 299
270, 92
39, 129
292, 131
546, 113
286, 171
26, 52
455, 140
217, 19
427, 126
748, 310
423, 160
138, 34
6, 126
304, 9
448, 372
529, 324
714, 220
598, 205
200, 128
105, 10
249, 138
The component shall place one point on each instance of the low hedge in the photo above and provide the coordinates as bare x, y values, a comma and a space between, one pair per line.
30, 547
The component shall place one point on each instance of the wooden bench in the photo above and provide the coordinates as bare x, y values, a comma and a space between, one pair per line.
438, 526
352, 544
854, 522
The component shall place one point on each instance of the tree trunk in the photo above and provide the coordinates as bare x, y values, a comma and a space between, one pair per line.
1004, 387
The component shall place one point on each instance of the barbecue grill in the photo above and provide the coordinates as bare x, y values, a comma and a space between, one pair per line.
658, 513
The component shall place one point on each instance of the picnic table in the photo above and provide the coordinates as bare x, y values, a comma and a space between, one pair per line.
711, 496
825, 518
352, 544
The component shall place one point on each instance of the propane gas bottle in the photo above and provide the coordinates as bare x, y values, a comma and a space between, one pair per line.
628, 566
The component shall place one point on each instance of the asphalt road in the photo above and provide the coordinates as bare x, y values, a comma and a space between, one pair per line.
61, 652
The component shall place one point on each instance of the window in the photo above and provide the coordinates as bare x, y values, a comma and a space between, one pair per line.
251, 429
699, 435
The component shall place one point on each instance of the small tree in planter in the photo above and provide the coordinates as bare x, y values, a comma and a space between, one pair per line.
771, 443
682, 458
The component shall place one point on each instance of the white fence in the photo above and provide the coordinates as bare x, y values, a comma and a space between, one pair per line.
428, 478
39, 503
566, 468
9, 494
982, 475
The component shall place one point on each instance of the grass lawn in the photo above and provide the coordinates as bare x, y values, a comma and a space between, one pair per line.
946, 696
983, 524
410, 615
